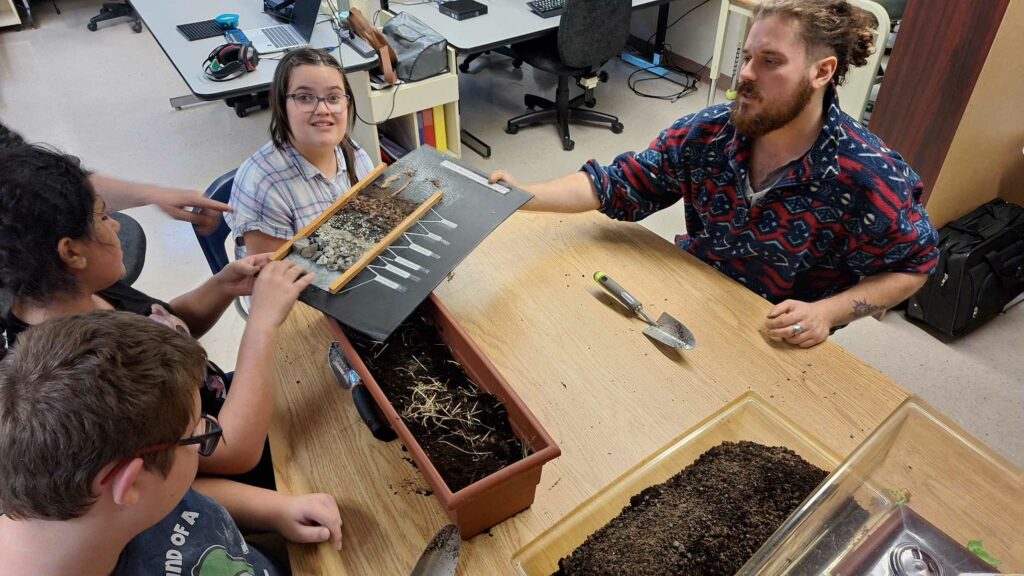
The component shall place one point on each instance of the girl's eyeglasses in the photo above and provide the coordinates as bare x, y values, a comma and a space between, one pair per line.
308, 102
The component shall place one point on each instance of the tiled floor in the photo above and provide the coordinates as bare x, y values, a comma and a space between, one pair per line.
104, 96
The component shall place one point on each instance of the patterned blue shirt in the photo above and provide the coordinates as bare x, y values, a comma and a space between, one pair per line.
278, 192
849, 208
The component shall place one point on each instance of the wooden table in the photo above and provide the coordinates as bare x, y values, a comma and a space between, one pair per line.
603, 391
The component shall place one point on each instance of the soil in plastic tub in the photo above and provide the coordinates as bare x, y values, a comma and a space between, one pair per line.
708, 519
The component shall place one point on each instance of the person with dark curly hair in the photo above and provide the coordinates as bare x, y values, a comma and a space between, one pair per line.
60, 255
783, 191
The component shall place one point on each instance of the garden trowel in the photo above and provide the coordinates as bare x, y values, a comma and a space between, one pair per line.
666, 330
441, 558
361, 396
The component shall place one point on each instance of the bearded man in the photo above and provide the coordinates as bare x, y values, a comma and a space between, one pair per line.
783, 191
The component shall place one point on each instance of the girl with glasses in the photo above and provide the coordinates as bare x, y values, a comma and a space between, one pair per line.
310, 160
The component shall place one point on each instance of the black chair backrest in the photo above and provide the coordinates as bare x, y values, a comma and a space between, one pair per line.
593, 31
133, 246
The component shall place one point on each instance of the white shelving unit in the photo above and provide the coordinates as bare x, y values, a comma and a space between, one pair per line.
8, 14
394, 109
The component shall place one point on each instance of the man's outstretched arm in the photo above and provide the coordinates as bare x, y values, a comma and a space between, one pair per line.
568, 194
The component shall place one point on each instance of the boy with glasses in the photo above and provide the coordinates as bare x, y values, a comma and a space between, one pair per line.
100, 435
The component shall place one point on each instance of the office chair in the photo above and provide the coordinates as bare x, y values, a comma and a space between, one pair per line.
113, 10
590, 32
213, 244
503, 50
133, 246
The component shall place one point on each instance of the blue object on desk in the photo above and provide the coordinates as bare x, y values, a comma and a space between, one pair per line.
236, 36
227, 21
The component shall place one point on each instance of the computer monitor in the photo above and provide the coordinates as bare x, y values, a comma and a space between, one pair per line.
304, 17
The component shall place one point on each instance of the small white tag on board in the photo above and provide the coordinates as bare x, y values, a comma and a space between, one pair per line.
474, 177
410, 264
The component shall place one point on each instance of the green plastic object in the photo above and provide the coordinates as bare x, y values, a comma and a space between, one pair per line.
978, 548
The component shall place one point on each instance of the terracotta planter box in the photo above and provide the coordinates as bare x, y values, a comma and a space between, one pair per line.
500, 495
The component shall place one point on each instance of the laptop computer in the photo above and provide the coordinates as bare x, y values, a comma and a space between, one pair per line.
287, 36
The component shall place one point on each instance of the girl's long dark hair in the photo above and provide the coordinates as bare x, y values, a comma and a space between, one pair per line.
45, 195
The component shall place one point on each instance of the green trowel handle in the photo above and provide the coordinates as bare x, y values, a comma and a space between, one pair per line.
613, 288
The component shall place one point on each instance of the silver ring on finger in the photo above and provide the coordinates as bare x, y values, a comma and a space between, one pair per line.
797, 329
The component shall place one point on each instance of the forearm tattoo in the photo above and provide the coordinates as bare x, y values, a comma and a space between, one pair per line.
862, 308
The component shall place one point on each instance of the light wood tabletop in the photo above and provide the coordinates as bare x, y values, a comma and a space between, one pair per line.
603, 391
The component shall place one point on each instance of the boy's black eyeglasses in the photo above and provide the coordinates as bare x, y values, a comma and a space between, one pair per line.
207, 441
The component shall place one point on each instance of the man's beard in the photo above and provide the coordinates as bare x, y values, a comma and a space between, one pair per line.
774, 115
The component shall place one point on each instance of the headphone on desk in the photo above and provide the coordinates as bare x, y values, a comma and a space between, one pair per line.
229, 61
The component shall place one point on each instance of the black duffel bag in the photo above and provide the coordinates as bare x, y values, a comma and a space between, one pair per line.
981, 269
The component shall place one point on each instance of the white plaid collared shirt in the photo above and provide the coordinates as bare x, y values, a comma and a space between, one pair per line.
278, 192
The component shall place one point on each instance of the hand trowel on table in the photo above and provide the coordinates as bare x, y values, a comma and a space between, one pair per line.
361, 397
666, 330
441, 557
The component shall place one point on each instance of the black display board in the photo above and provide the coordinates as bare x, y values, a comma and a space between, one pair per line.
377, 300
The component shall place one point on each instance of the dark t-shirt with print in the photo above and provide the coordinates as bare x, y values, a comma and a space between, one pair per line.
198, 538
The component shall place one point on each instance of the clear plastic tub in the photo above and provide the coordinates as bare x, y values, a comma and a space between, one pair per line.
914, 498
749, 417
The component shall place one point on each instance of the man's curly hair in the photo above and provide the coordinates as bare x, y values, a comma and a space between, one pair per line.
836, 25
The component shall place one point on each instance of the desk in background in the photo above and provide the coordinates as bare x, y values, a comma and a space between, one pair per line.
506, 22
604, 392
163, 16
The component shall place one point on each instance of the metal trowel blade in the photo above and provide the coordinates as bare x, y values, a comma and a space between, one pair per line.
671, 332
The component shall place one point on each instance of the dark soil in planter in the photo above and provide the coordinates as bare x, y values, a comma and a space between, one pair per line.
708, 519
464, 430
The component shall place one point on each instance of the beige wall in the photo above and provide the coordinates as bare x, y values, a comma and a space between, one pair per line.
985, 160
